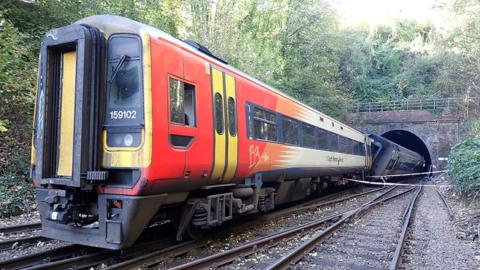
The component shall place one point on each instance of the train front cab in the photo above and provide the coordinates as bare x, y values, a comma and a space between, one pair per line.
92, 125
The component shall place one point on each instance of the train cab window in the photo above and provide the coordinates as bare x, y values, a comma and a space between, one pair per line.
290, 131
124, 81
322, 137
182, 103
264, 125
308, 136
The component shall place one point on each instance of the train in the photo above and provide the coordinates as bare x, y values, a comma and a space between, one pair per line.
389, 158
133, 127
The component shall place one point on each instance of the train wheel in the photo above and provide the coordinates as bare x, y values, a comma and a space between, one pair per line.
195, 232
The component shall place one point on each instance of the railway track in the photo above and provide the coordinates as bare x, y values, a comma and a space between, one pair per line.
20, 241
323, 226
451, 216
19, 235
163, 259
365, 244
21, 228
78, 257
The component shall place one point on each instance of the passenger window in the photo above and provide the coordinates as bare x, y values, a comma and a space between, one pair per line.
354, 147
322, 139
264, 125
182, 103
232, 117
308, 136
219, 113
341, 144
360, 149
333, 142
290, 131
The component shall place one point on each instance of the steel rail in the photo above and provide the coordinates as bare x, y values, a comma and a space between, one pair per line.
318, 204
451, 216
407, 219
264, 242
74, 262
6, 244
21, 227
307, 246
159, 256
175, 250
63, 258
31, 259
90, 256
251, 247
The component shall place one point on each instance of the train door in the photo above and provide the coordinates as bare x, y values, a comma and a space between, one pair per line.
199, 154
224, 126
173, 154
67, 126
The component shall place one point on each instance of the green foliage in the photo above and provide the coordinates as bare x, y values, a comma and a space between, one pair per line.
18, 69
464, 164
309, 49
392, 62
3, 125
16, 196
473, 128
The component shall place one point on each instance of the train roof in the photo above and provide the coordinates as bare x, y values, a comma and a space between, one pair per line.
110, 24
384, 140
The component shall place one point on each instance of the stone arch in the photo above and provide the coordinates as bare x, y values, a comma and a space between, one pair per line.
411, 141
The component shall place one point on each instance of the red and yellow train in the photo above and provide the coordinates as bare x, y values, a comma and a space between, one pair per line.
134, 127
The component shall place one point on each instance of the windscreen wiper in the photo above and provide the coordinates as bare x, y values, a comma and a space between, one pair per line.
123, 60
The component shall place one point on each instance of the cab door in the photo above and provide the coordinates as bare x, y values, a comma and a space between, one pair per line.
224, 127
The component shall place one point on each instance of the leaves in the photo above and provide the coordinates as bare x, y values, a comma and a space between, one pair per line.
16, 196
464, 164
3, 125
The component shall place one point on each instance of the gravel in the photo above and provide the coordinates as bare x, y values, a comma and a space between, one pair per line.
249, 231
19, 249
31, 217
367, 242
22, 250
434, 243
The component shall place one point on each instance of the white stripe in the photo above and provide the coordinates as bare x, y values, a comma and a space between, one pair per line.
394, 184
407, 174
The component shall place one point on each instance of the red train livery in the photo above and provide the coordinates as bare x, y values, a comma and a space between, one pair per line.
134, 127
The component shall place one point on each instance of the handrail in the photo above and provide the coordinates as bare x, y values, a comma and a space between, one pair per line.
413, 105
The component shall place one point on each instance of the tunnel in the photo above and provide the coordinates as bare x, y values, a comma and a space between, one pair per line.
411, 141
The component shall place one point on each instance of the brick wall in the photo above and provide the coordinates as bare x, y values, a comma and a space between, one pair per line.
438, 133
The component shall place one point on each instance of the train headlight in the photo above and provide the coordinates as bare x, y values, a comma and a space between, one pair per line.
123, 139
117, 139
128, 140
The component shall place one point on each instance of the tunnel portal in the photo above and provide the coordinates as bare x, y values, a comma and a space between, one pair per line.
411, 141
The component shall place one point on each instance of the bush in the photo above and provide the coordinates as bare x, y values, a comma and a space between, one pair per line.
464, 164
16, 196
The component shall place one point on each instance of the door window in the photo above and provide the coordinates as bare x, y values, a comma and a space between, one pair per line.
182, 103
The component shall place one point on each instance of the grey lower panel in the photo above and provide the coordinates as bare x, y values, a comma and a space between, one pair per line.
116, 230
297, 173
